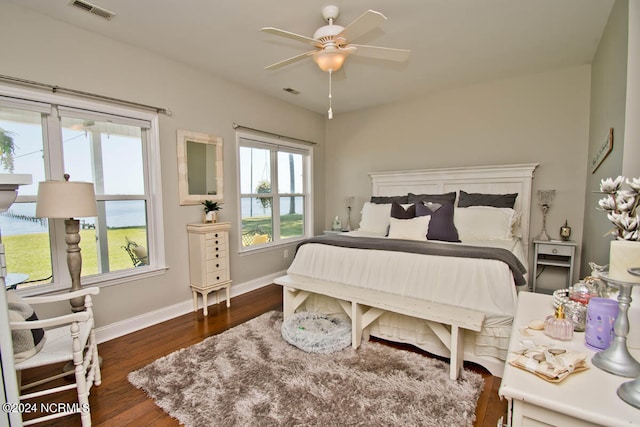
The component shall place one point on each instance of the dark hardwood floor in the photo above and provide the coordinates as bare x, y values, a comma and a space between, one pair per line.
117, 403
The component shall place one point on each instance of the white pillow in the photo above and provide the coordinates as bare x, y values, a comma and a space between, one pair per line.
375, 217
484, 223
409, 229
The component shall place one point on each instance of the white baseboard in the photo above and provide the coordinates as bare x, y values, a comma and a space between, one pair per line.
124, 327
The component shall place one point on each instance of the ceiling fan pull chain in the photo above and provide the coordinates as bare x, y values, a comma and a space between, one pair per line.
330, 112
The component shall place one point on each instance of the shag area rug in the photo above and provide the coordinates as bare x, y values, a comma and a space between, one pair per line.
249, 376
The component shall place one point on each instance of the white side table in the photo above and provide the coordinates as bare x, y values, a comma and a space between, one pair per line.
209, 261
582, 399
333, 232
556, 254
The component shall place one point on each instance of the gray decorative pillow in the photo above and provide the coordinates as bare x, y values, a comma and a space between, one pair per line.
441, 226
481, 199
389, 199
399, 212
443, 199
26, 342
433, 206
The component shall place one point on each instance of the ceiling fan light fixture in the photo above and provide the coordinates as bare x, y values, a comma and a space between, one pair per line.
333, 44
329, 59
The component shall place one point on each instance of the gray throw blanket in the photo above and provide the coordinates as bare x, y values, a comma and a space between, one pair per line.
426, 248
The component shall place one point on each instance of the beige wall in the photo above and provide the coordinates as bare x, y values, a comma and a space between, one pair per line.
37, 48
542, 118
631, 158
615, 103
608, 99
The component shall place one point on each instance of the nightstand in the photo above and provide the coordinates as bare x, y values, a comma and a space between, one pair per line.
334, 231
556, 254
582, 399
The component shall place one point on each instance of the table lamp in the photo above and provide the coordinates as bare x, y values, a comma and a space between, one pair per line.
545, 197
64, 199
348, 201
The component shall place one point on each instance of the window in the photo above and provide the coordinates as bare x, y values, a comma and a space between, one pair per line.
116, 149
275, 191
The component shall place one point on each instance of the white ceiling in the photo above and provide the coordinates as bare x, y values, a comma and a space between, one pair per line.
452, 42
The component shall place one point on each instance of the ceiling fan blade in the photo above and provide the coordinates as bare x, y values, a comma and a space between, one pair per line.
362, 25
290, 35
377, 52
290, 60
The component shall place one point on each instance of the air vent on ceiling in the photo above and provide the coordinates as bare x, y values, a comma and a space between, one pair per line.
92, 8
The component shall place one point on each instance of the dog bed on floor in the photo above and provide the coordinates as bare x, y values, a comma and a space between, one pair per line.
316, 332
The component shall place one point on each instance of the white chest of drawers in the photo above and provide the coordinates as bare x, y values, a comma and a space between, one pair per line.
209, 261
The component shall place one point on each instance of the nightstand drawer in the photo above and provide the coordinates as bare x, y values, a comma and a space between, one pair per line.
216, 239
216, 255
213, 266
216, 277
550, 249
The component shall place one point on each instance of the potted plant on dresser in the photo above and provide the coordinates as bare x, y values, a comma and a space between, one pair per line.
211, 209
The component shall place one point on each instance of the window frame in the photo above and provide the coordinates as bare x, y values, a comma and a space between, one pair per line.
29, 99
274, 145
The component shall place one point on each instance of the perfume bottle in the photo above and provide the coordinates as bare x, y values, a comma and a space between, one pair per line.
557, 326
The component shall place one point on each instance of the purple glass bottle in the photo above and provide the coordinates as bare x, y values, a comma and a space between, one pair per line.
601, 315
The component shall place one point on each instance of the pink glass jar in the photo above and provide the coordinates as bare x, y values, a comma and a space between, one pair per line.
558, 327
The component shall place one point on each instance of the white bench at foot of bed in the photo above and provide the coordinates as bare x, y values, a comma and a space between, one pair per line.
364, 306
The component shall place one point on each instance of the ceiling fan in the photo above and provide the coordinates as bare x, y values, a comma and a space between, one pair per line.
333, 43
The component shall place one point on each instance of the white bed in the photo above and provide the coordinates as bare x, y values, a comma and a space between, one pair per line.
483, 285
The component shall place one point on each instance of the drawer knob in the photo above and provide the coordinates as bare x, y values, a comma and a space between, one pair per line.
217, 277
216, 234
217, 265
217, 255
555, 251
217, 249
216, 242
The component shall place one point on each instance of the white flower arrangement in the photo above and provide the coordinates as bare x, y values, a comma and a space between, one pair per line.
621, 207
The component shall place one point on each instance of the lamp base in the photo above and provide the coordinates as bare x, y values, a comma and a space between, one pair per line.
543, 236
616, 359
630, 392
74, 260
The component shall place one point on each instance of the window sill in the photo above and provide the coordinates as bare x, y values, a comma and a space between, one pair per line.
110, 279
265, 248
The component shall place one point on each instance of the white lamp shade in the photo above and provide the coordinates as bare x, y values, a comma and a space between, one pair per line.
64, 199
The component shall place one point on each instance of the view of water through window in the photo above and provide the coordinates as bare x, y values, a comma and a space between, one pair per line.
107, 151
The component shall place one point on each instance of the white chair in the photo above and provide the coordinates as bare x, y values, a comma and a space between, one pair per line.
69, 337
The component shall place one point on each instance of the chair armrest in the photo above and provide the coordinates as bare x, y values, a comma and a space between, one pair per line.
62, 297
67, 319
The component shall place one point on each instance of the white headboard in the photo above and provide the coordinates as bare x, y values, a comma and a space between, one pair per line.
481, 179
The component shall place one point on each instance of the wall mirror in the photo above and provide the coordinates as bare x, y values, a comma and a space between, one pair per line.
199, 168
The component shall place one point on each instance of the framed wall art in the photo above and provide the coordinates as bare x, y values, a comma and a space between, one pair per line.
602, 152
